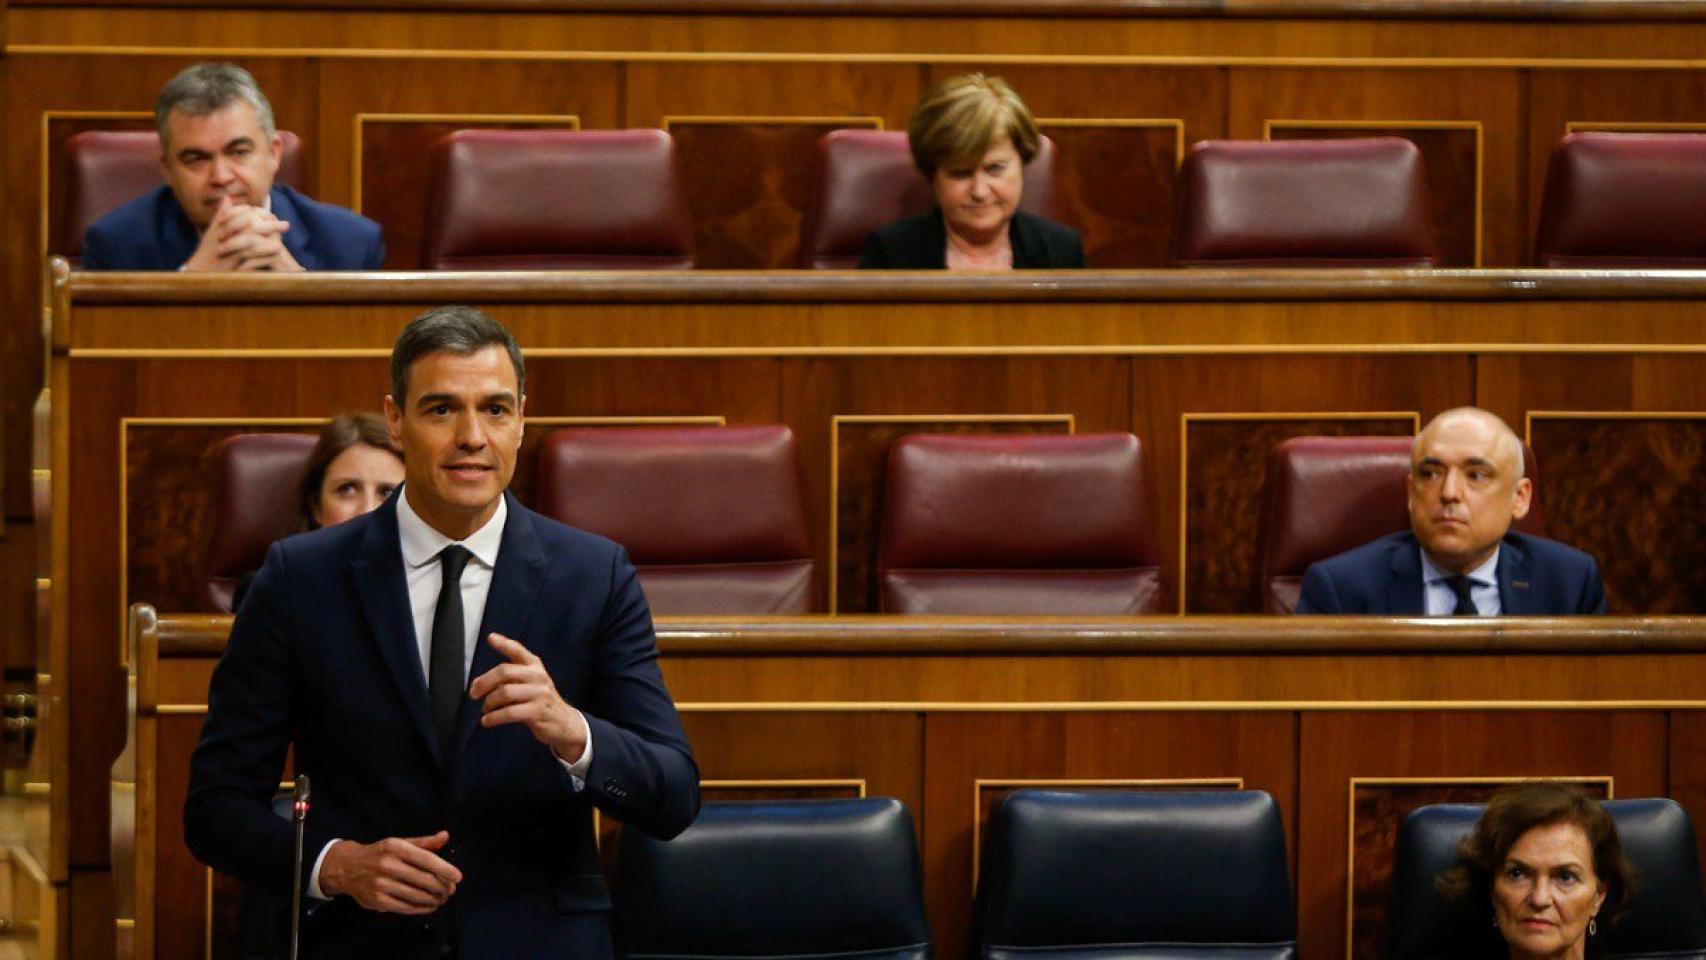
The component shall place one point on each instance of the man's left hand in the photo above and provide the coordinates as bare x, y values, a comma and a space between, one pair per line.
520, 691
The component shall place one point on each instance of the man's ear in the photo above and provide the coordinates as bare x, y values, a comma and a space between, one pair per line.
1520, 498
394, 421
277, 149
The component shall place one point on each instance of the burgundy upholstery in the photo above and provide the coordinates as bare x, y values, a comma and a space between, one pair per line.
254, 503
712, 517
106, 169
557, 200
1625, 200
1018, 525
1305, 203
1326, 495
865, 179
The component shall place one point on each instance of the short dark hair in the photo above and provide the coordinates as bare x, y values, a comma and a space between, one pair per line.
339, 434
1519, 808
460, 330
206, 87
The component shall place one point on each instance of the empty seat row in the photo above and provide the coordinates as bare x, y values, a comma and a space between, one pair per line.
714, 518
611, 200
1105, 874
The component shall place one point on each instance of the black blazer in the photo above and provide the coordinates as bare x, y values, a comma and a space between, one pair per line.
921, 243
1537, 577
322, 657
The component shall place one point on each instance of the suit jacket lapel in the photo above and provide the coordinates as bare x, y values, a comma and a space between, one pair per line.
1516, 597
384, 590
509, 604
1404, 586
297, 237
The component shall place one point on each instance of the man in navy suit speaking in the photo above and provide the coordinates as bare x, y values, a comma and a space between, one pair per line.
1460, 556
219, 208
463, 680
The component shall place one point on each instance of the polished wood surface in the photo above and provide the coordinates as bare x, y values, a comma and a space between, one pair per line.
1347, 722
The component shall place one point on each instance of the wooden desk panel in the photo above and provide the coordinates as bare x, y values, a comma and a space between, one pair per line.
1347, 723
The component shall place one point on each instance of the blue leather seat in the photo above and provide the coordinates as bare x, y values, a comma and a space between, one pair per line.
1145, 876
1666, 918
824, 878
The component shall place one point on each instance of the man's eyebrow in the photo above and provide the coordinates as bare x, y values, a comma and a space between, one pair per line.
429, 399
505, 397
190, 153
244, 141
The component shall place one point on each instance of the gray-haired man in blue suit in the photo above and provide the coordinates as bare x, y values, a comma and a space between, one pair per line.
1460, 556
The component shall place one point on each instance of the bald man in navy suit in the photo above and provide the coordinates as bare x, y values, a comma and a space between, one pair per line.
1460, 557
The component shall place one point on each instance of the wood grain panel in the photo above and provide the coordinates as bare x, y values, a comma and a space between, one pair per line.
786, 89
749, 181
393, 170
1651, 540
1557, 98
1224, 464
1093, 390
443, 85
168, 476
1452, 153
1378, 805
859, 454
1334, 749
1400, 98
1117, 184
1687, 770
961, 750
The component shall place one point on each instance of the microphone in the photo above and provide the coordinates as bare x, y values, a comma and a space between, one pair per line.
299, 814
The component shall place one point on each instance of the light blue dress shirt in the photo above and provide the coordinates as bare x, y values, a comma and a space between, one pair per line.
1438, 599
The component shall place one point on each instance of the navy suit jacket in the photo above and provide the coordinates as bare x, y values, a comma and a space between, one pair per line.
921, 243
1537, 577
323, 657
152, 233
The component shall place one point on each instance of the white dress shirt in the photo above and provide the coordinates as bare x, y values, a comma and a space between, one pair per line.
1439, 600
421, 546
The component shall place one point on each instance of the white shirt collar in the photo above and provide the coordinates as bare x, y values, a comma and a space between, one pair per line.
1486, 573
422, 544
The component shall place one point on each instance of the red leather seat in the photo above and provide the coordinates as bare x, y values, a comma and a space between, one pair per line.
866, 178
1326, 495
254, 503
1018, 525
1305, 203
712, 517
1625, 200
557, 200
106, 169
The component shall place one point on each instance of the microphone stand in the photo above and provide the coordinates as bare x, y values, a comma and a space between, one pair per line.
299, 814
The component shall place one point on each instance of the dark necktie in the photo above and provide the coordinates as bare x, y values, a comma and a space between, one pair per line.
444, 676
1465, 603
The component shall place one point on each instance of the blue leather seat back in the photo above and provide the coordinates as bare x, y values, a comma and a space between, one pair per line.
1666, 918
825, 878
1137, 876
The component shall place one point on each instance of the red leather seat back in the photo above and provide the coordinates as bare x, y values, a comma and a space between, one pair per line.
1326, 495
1018, 525
1306, 203
866, 178
713, 517
557, 200
106, 169
1625, 200
254, 503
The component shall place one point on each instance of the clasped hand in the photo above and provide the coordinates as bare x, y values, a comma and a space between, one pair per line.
242, 238
406, 874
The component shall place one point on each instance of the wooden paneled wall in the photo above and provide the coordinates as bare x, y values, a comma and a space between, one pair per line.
1348, 725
